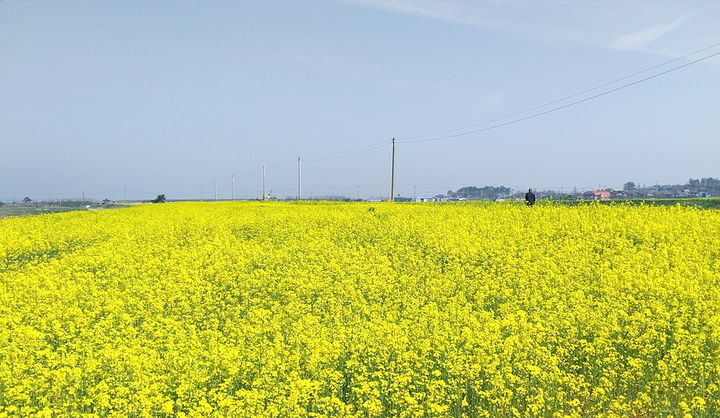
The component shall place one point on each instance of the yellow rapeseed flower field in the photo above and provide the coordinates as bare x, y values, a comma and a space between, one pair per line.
302, 309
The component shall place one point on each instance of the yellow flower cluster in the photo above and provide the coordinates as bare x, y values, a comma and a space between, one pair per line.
310, 309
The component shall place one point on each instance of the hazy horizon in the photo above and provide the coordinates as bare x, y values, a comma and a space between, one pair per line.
163, 97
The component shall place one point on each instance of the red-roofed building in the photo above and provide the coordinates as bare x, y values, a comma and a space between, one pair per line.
600, 195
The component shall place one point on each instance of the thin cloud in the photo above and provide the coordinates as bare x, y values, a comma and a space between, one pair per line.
609, 24
638, 40
445, 10
480, 13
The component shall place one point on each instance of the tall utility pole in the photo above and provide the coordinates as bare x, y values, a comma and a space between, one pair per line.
392, 173
414, 193
232, 187
216, 189
358, 192
299, 197
125, 195
83, 198
201, 192
263, 195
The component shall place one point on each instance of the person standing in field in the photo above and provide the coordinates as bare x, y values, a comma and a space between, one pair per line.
530, 197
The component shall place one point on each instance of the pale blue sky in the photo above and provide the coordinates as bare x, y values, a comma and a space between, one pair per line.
164, 96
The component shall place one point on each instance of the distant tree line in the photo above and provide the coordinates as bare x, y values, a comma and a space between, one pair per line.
694, 187
482, 193
709, 184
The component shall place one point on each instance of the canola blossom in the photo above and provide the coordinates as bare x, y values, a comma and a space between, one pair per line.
315, 309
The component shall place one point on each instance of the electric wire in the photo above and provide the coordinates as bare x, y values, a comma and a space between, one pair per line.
572, 96
555, 109
350, 153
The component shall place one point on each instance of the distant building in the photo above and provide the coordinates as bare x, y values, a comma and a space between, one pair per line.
597, 195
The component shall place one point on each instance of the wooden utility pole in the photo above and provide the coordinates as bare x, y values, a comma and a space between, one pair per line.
392, 173
299, 196
232, 187
263, 191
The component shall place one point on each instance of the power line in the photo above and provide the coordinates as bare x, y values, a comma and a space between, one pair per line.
437, 136
580, 93
335, 156
350, 153
555, 109
434, 137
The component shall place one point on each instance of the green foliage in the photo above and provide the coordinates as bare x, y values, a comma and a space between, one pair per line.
159, 199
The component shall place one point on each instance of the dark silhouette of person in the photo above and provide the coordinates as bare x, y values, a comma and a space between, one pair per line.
530, 197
